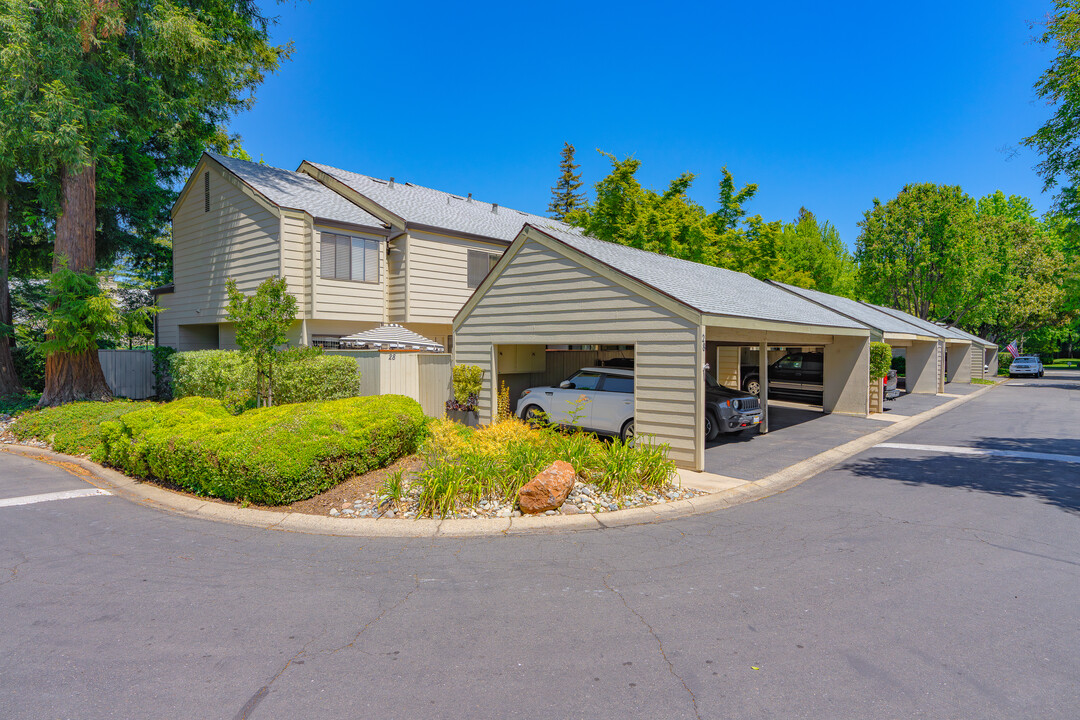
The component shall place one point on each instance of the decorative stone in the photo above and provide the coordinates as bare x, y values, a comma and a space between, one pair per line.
570, 509
548, 490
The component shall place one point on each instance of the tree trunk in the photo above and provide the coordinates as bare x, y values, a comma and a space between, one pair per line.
9, 379
75, 376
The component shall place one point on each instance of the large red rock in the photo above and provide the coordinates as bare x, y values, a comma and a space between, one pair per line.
548, 490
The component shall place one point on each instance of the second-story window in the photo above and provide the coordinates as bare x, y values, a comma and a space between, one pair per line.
480, 264
343, 257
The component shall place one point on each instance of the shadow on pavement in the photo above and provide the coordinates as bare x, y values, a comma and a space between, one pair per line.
1053, 482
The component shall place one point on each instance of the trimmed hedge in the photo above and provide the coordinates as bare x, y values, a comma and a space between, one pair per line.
300, 375
1004, 361
270, 456
73, 429
880, 360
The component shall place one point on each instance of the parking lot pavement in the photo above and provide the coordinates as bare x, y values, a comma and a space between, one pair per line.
796, 432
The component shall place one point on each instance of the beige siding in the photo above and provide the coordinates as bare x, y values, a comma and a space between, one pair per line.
345, 299
237, 238
296, 259
727, 365
397, 279
977, 363
544, 297
438, 275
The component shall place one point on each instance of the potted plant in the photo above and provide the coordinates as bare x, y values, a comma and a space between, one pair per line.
464, 406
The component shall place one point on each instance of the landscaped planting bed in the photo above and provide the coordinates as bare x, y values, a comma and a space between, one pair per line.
467, 472
73, 429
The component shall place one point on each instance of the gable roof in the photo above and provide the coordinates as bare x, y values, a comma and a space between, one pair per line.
866, 314
392, 335
297, 191
973, 338
931, 328
707, 289
418, 205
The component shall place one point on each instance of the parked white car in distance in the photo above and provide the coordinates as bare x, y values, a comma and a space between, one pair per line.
1026, 365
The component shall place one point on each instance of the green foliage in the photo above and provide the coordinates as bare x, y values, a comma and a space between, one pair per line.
468, 381
880, 360
261, 321
18, 403
566, 197
30, 366
1005, 360
75, 428
815, 250
462, 466
899, 364
163, 382
270, 456
302, 375
79, 313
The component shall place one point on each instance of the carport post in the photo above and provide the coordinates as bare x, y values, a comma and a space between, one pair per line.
763, 383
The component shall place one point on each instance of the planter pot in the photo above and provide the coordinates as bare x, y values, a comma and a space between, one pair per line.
468, 418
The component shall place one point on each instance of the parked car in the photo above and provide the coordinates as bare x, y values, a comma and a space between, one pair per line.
892, 385
1026, 365
602, 399
800, 375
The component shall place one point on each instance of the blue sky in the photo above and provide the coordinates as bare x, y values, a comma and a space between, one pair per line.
823, 105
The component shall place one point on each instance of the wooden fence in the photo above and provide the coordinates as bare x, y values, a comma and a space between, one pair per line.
425, 377
130, 373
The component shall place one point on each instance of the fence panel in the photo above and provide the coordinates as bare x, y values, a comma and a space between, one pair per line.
436, 385
130, 373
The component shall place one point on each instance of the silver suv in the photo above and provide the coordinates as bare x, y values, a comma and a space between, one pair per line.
1026, 365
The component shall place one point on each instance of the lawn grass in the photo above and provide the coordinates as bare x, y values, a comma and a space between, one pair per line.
980, 381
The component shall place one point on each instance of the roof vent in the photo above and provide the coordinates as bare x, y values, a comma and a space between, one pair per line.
470, 198
494, 207
391, 182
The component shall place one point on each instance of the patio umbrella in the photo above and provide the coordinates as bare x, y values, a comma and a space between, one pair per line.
390, 337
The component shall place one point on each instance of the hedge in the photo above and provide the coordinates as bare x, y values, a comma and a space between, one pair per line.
880, 360
270, 456
1004, 361
73, 429
300, 375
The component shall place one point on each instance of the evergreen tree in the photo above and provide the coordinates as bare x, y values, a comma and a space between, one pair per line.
565, 198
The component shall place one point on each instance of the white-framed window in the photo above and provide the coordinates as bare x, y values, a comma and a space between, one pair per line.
344, 257
329, 342
480, 264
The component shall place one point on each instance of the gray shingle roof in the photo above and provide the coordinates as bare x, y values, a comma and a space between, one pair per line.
865, 314
973, 338
419, 205
297, 191
931, 328
712, 290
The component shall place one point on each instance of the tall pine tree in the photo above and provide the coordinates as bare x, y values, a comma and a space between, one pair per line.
565, 197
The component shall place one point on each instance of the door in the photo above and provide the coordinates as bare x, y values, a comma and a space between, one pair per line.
613, 404
573, 405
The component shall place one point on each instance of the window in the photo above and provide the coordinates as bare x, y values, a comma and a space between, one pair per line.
791, 362
480, 264
585, 380
329, 342
342, 257
618, 383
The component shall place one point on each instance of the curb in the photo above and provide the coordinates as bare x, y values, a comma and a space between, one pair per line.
149, 495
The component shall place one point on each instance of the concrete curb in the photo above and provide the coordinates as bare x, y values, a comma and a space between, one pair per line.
158, 498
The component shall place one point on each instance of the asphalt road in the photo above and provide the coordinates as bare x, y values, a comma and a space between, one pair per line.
908, 583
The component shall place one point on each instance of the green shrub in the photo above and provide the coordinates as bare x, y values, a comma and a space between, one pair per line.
899, 364
18, 403
29, 366
163, 384
271, 456
1004, 361
74, 429
300, 375
880, 360
468, 381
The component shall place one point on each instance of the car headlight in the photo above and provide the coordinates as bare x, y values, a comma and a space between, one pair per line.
735, 404
524, 393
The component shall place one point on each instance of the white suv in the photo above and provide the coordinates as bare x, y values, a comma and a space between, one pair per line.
602, 398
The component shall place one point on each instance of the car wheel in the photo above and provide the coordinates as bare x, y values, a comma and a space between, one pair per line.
752, 385
533, 415
627, 432
712, 427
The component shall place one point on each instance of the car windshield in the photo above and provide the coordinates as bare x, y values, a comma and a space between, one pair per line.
710, 382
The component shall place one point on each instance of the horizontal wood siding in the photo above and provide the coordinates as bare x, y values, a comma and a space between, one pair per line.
438, 275
345, 299
398, 288
297, 260
977, 363
543, 297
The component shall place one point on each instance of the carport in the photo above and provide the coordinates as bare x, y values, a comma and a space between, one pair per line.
955, 348
919, 345
557, 289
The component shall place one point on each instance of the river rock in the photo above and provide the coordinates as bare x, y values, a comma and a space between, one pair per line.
548, 490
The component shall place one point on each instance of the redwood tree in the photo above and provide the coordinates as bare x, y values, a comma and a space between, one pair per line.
86, 80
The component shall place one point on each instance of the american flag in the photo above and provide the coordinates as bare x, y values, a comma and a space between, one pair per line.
1011, 347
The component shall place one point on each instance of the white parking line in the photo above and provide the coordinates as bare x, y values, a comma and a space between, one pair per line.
957, 450
47, 497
